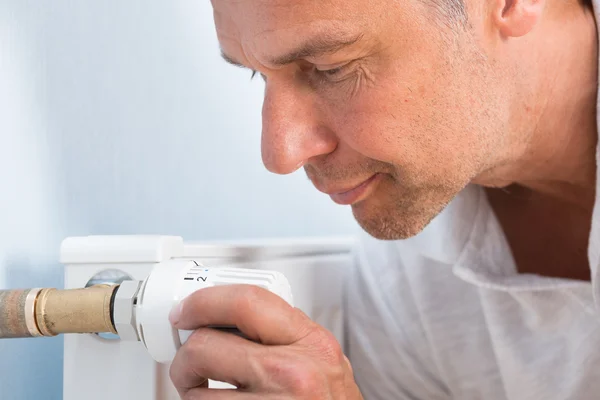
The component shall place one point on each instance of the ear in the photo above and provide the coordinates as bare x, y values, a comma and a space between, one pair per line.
516, 18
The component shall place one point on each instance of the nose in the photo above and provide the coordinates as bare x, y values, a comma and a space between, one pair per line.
293, 131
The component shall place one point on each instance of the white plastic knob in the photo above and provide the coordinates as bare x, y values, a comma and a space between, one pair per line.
172, 281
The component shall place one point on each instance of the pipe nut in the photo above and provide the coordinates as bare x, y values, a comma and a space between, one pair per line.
124, 310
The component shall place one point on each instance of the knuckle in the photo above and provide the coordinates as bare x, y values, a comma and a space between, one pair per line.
176, 374
296, 375
304, 325
272, 365
195, 343
189, 357
327, 345
254, 293
193, 394
305, 382
247, 298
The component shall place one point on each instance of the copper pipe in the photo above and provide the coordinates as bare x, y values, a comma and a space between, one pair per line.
17, 313
49, 312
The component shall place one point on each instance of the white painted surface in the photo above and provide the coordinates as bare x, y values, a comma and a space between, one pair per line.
120, 118
315, 282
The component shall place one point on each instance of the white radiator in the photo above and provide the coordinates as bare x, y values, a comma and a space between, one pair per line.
97, 368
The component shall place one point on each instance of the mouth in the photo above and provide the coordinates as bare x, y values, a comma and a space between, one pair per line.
351, 195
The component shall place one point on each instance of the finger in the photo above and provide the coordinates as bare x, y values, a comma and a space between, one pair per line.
349, 381
260, 314
215, 355
183, 392
221, 394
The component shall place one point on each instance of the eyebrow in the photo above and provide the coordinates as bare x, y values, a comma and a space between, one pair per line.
312, 48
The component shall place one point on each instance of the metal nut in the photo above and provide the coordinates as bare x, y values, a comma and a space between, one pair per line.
124, 310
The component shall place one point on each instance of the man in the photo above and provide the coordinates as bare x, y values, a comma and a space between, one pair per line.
464, 137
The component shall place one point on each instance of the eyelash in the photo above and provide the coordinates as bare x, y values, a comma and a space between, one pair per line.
324, 75
334, 76
330, 72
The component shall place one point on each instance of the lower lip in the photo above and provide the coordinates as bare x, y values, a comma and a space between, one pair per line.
358, 193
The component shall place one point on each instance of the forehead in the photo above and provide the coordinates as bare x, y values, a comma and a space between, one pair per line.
258, 25
258, 16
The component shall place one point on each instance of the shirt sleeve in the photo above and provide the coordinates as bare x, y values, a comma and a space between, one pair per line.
384, 337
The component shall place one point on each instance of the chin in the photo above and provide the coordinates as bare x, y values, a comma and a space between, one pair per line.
393, 219
386, 225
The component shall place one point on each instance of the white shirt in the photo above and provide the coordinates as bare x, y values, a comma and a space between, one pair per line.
445, 315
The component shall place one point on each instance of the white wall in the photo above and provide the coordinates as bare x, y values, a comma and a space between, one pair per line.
119, 117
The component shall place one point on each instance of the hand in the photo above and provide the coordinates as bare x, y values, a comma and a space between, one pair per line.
288, 356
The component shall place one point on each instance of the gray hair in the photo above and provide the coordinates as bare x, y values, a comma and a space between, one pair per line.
453, 13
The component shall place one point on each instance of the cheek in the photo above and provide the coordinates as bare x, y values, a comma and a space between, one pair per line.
425, 125
402, 128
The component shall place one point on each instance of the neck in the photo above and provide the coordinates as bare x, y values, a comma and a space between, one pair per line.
558, 157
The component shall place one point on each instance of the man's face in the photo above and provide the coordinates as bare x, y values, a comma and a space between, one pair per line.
385, 106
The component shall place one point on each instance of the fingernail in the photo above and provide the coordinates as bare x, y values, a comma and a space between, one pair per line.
175, 313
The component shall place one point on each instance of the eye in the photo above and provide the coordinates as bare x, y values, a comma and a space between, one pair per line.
332, 71
335, 74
